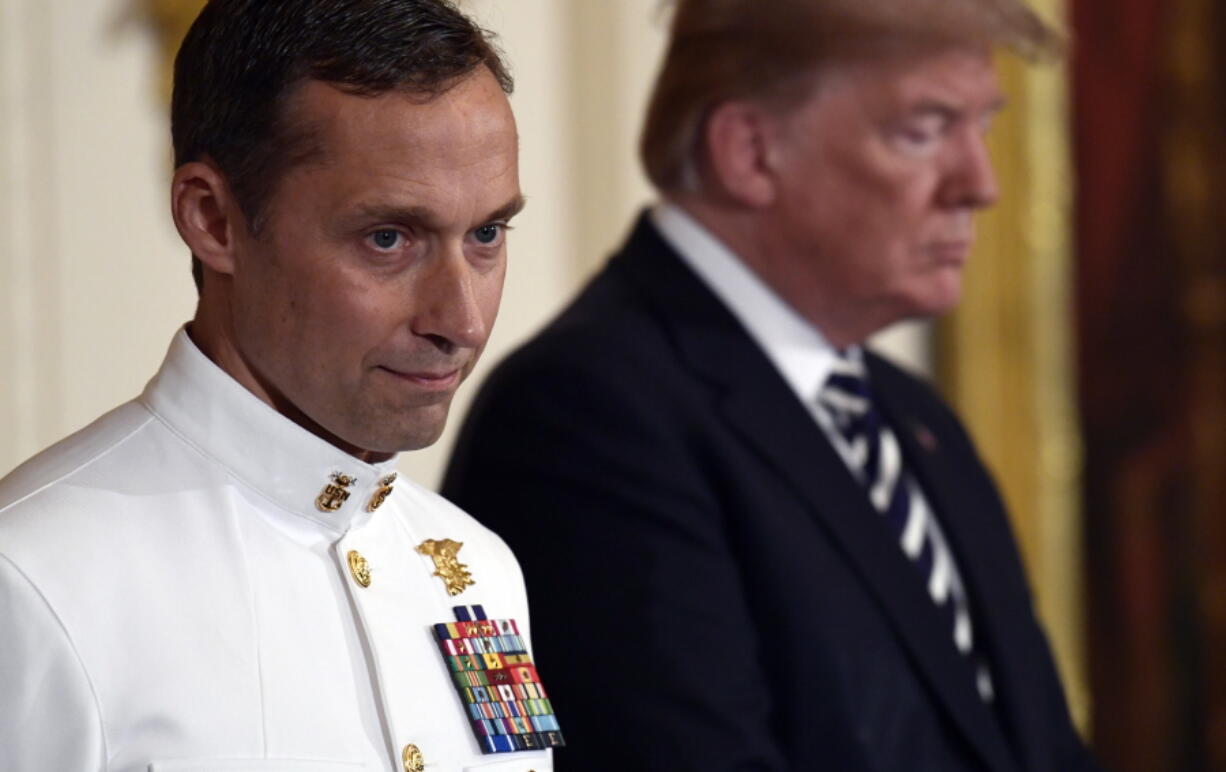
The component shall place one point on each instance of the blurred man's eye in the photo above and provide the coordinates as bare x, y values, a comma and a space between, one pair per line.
920, 135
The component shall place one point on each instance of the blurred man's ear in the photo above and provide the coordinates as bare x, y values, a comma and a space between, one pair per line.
737, 142
206, 214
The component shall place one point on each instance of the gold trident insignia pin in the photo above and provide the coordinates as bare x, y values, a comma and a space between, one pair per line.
334, 493
447, 566
381, 495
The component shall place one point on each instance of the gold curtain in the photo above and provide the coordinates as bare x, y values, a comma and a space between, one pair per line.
1005, 357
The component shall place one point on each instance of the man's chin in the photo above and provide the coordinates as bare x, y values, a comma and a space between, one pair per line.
941, 298
380, 437
419, 431
419, 442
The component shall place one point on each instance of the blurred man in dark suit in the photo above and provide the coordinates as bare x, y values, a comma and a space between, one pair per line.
752, 544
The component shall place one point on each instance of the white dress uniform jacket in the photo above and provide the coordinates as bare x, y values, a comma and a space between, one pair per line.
173, 600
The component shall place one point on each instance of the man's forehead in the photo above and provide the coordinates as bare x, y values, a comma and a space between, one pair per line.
403, 158
330, 111
940, 80
322, 108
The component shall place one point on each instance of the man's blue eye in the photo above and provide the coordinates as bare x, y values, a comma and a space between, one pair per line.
487, 234
385, 239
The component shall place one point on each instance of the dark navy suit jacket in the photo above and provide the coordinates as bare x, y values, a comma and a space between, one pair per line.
710, 587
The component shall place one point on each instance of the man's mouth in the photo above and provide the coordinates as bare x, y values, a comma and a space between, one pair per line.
431, 379
949, 252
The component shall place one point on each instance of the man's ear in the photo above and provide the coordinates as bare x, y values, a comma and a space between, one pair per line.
737, 138
206, 214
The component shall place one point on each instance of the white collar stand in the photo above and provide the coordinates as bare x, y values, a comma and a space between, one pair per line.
271, 454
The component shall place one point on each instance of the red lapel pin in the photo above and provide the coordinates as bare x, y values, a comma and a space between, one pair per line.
926, 439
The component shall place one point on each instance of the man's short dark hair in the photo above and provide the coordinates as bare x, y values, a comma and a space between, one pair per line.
241, 60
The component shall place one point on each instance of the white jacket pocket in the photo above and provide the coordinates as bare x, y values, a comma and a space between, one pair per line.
255, 765
537, 764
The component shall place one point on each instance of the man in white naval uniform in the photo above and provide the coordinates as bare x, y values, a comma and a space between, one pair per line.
225, 573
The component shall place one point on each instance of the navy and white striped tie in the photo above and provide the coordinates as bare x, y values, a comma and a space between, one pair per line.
875, 454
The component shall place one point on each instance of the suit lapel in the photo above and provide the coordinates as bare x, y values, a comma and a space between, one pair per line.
761, 408
984, 553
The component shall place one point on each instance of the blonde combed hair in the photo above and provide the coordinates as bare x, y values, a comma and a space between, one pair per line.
721, 50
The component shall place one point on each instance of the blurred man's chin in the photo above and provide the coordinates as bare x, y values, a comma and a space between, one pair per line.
941, 298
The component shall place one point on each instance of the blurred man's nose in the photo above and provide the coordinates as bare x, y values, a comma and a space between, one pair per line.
970, 179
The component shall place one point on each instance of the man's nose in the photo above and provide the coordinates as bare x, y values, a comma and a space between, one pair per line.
971, 180
449, 307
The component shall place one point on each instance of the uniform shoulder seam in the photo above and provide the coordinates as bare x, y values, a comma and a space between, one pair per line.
227, 470
103, 453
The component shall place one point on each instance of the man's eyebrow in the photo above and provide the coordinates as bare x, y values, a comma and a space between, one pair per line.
426, 218
952, 112
507, 210
403, 215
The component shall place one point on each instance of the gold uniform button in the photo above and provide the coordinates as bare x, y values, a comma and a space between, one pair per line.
413, 760
359, 568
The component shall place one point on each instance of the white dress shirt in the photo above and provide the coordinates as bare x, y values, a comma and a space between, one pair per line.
172, 599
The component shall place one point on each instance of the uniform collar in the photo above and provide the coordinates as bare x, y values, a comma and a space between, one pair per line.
271, 454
